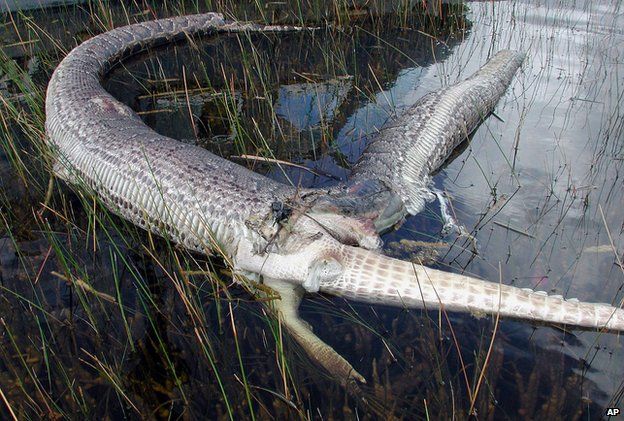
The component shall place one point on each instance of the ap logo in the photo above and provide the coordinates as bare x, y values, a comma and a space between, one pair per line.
613, 412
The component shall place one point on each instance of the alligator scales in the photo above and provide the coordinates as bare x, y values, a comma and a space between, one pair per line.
204, 202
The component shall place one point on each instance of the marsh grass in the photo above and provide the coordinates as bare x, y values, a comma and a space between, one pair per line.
102, 319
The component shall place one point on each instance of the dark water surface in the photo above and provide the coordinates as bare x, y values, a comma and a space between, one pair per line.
540, 188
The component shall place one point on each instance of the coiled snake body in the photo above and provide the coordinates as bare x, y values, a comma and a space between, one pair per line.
205, 202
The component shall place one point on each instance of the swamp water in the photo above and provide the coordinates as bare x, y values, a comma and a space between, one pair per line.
142, 331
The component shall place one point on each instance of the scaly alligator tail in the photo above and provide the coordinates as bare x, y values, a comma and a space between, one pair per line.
367, 276
373, 278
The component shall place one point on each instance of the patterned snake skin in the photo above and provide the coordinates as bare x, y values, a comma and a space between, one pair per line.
408, 149
180, 191
203, 202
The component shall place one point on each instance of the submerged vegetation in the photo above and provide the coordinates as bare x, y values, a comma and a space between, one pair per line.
101, 319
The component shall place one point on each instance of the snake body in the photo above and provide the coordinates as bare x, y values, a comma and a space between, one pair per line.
179, 191
409, 149
205, 202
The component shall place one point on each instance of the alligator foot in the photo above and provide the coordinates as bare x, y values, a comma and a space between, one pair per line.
450, 224
287, 309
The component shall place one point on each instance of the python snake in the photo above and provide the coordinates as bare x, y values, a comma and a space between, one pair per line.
328, 240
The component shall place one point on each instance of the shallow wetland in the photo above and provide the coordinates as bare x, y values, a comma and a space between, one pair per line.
100, 320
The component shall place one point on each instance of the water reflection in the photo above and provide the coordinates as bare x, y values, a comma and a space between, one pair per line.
309, 97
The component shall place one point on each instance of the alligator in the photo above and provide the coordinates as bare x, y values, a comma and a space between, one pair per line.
293, 240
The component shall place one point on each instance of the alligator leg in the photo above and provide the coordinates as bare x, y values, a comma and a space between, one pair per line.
287, 309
